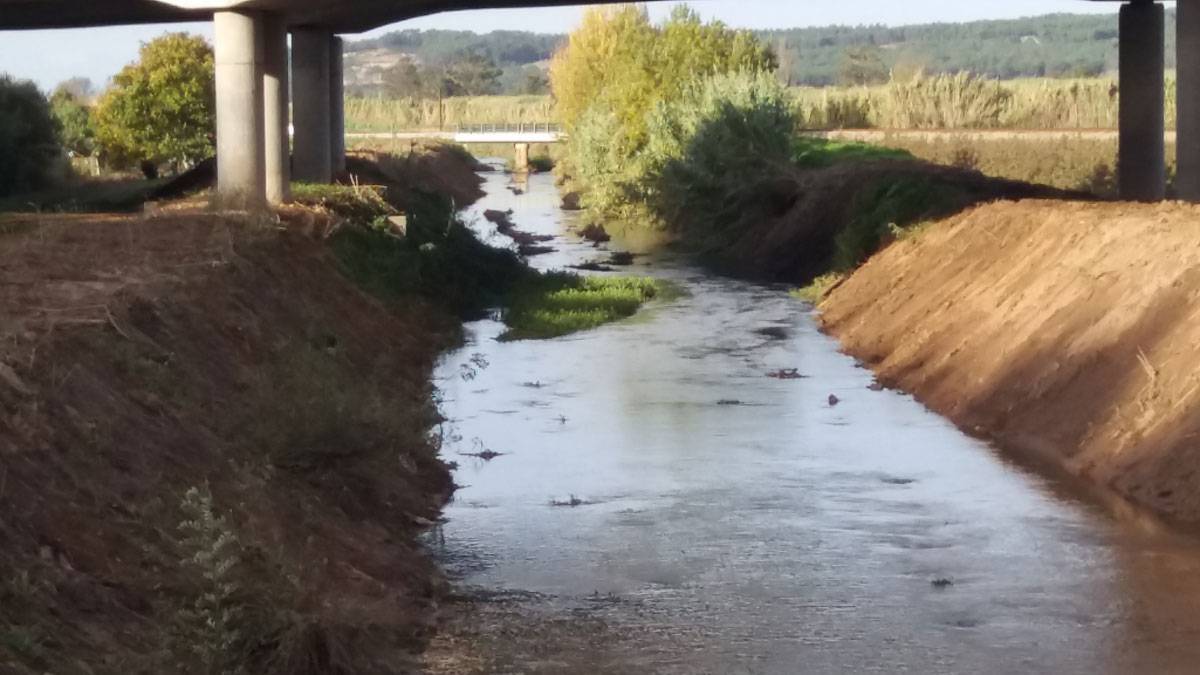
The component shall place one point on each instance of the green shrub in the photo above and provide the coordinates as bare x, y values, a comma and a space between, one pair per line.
615, 70
75, 122
883, 210
29, 140
440, 257
725, 133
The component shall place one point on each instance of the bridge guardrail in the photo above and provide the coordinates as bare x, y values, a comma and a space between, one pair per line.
519, 128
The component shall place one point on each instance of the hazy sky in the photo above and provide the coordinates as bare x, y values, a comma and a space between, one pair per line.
48, 57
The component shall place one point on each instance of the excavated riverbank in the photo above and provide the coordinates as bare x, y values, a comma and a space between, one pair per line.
214, 447
1064, 331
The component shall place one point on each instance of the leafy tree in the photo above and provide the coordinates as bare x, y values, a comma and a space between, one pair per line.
161, 108
405, 80
863, 65
74, 121
616, 71
619, 60
29, 146
474, 75
536, 83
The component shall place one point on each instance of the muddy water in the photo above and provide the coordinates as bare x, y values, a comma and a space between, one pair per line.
665, 506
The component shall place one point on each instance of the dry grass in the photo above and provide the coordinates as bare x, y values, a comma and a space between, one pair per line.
966, 102
1070, 163
383, 114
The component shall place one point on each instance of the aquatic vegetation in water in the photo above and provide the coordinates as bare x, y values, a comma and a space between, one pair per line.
558, 304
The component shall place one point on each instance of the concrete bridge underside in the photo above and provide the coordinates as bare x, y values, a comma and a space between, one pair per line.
251, 45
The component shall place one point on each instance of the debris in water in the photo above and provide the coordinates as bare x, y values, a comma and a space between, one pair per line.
529, 250
562, 419
941, 583
773, 332
533, 385
572, 502
621, 258
729, 401
786, 374
595, 234
834, 400
592, 266
506, 227
899, 481
486, 455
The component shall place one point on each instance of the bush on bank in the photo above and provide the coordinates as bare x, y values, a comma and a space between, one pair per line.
623, 87
29, 138
725, 133
441, 259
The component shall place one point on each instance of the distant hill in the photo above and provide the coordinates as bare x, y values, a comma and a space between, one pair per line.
515, 52
1055, 45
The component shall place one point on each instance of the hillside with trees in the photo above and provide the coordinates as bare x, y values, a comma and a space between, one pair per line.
1056, 45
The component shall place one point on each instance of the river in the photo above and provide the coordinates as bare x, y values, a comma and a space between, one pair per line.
664, 506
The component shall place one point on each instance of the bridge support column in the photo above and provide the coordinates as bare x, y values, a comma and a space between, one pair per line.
521, 158
1187, 95
311, 106
278, 151
239, 88
1141, 162
337, 106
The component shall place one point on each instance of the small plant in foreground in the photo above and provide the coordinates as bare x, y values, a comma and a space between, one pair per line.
209, 631
815, 292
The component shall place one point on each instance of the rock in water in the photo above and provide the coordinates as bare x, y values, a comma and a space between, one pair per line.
833, 400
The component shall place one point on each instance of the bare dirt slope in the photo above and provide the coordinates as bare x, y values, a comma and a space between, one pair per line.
1066, 331
212, 445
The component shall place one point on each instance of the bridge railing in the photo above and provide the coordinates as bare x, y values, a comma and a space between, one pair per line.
509, 128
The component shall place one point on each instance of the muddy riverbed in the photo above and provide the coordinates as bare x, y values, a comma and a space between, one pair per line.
664, 505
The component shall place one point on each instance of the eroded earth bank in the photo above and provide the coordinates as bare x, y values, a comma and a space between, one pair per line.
1065, 331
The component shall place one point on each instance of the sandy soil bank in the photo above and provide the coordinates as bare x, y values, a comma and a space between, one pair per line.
1065, 331
214, 447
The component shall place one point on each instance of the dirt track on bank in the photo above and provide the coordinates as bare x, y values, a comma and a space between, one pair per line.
1065, 331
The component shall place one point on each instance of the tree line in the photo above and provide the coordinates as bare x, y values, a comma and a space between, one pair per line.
158, 112
1056, 45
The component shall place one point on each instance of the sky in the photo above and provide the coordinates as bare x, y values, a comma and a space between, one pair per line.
49, 57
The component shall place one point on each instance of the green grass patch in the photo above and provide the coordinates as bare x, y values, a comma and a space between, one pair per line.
440, 258
815, 153
363, 204
558, 304
885, 210
816, 291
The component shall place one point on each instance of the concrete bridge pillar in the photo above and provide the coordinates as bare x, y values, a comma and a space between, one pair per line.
238, 52
1141, 161
311, 106
277, 144
337, 106
521, 158
1187, 96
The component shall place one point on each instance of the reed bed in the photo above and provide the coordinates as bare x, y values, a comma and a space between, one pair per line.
964, 101
385, 114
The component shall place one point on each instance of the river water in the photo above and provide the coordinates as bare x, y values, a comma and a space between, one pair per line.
662, 505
